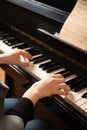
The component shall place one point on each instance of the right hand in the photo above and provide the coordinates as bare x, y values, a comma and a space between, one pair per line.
50, 85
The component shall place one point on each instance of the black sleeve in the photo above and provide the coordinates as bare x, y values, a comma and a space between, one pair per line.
24, 109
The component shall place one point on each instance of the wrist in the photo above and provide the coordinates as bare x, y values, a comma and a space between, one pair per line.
3, 59
32, 95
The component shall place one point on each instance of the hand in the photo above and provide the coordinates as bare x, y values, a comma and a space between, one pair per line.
51, 85
17, 57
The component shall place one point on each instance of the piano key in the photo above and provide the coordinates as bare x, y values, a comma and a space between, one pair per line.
58, 70
12, 45
82, 91
38, 57
50, 66
76, 97
73, 97
84, 106
69, 76
33, 52
35, 71
40, 60
17, 45
72, 82
84, 95
41, 65
5, 37
34, 56
4, 47
46, 64
65, 72
80, 102
2, 33
53, 68
12, 41
81, 85
8, 39
76, 100
24, 46
73, 76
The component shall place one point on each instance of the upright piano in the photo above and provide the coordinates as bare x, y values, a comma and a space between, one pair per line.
31, 25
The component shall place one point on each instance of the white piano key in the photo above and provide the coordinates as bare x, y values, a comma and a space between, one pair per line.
84, 106
18, 44
4, 47
81, 102
82, 91
72, 97
58, 70
37, 55
35, 71
70, 77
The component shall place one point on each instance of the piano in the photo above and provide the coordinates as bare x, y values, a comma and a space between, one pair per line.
31, 25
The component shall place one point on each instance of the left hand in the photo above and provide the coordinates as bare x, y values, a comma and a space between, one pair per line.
17, 57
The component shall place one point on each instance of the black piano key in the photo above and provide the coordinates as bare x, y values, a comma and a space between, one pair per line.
40, 59
84, 95
16, 45
50, 65
77, 85
46, 64
33, 52
9, 42
2, 32
53, 68
23, 46
74, 81
4, 36
35, 58
65, 73
12, 41
81, 86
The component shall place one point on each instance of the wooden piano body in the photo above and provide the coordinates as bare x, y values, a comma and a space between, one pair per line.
34, 24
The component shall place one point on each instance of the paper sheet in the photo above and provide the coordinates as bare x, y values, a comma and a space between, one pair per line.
74, 30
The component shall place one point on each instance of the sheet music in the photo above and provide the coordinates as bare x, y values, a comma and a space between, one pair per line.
74, 29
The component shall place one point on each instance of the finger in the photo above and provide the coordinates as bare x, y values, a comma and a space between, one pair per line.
24, 61
59, 80
60, 92
57, 76
64, 86
25, 54
25, 64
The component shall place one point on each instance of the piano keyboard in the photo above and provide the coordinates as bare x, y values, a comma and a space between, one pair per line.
42, 66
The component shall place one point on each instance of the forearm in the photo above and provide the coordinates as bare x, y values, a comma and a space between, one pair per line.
3, 59
32, 94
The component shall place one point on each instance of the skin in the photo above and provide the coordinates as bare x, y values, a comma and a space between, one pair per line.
17, 57
53, 84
